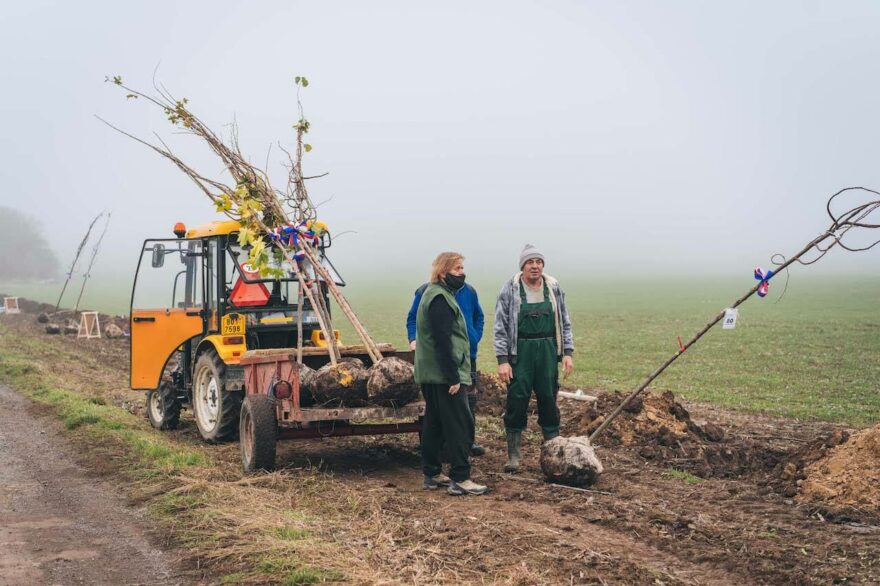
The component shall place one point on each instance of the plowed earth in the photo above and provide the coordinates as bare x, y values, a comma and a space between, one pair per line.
691, 494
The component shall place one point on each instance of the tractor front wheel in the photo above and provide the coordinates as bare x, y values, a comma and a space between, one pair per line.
258, 433
163, 407
215, 407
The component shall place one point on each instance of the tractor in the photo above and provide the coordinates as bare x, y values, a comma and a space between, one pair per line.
198, 311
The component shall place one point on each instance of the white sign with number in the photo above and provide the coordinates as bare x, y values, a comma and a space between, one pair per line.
729, 318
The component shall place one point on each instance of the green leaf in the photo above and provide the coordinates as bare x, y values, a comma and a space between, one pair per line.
307, 147
222, 203
305, 82
131, 96
246, 236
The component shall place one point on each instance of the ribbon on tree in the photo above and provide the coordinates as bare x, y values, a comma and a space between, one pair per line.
291, 233
764, 278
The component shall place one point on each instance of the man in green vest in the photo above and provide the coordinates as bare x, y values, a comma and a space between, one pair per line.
532, 335
442, 367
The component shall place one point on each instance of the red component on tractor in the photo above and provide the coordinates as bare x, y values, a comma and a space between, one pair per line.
249, 294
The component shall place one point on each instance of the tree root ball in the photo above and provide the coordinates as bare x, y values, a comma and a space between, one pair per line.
113, 331
570, 460
306, 391
343, 385
391, 383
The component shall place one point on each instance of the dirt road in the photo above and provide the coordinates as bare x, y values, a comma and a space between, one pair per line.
57, 525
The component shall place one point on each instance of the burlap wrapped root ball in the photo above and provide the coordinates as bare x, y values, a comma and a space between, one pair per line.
391, 383
343, 385
570, 460
306, 391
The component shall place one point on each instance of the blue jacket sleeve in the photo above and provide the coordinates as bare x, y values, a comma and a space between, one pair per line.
479, 318
411, 316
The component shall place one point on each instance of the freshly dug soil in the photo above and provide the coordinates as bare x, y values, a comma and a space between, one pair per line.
648, 418
492, 394
847, 475
660, 429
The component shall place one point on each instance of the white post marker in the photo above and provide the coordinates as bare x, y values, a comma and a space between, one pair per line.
10, 305
729, 319
578, 395
88, 325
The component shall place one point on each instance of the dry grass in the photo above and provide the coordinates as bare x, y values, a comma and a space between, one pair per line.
294, 526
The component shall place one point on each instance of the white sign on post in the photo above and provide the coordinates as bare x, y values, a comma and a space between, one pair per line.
729, 319
10, 305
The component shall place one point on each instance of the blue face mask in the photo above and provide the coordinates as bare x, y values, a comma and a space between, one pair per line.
453, 282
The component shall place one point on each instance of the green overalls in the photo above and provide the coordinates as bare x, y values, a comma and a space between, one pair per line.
536, 367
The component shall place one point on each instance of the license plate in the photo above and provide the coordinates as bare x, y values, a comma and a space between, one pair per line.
232, 324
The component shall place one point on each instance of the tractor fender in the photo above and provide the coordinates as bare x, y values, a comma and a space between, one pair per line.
234, 380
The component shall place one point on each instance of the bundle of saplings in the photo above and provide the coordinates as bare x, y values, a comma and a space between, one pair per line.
282, 235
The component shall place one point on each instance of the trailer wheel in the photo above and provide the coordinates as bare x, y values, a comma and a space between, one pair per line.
163, 407
258, 433
215, 407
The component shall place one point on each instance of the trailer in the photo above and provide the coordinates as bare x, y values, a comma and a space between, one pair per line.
272, 409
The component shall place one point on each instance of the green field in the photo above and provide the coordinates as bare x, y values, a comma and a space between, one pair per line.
814, 354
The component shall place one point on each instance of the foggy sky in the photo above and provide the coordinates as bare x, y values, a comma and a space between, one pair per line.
622, 138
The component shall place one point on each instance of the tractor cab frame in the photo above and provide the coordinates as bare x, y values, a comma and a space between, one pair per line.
196, 310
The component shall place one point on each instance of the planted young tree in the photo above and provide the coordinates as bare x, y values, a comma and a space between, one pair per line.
77, 254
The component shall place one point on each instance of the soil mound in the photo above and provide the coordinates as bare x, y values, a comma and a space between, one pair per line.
660, 429
493, 395
648, 419
847, 475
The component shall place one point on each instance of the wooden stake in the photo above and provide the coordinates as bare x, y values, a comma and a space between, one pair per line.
369, 343
299, 325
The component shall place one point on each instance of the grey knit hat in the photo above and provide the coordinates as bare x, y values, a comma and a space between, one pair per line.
528, 253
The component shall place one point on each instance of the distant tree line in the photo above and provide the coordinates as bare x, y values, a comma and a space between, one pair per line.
24, 251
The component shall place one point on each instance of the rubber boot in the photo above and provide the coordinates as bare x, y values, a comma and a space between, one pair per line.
514, 439
549, 435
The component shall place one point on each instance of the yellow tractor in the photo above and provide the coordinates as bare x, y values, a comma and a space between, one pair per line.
196, 310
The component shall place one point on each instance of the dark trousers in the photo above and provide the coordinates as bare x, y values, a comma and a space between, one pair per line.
472, 394
448, 421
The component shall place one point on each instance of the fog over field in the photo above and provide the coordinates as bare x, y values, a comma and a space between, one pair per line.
625, 139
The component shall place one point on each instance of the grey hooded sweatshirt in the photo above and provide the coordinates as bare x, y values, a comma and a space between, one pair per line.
507, 319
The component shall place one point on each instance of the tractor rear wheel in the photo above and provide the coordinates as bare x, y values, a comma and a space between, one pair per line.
215, 407
258, 433
163, 407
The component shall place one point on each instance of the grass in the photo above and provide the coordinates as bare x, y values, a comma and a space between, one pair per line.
685, 476
811, 355
91, 415
814, 354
